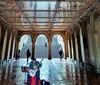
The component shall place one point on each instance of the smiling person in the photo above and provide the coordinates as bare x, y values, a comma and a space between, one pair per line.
33, 76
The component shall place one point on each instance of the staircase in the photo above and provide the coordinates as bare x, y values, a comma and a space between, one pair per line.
55, 50
24, 49
40, 50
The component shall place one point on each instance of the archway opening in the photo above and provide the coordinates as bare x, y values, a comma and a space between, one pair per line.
56, 45
24, 44
41, 46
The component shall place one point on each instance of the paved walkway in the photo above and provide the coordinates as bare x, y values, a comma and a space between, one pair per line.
55, 71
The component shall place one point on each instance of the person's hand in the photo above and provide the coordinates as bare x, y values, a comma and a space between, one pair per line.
36, 70
27, 70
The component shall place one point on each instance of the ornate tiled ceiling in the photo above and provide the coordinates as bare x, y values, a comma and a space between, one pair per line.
42, 15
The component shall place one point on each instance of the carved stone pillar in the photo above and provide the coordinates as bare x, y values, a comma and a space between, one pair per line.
0, 32
82, 46
13, 48
72, 50
9, 47
4, 47
33, 49
76, 47
81, 42
66, 49
49, 50
90, 40
0, 44
69, 53
66, 45
94, 43
17, 44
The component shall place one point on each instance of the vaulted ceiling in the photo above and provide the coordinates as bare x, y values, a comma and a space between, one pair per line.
42, 15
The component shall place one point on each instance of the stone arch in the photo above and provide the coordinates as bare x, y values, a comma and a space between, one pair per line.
25, 33
41, 49
39, 33
62, 45
24, 45
58, 33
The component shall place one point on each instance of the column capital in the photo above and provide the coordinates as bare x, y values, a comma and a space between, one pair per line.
78, 24
92, 23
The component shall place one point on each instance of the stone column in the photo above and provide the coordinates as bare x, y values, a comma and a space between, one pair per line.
82, 45
69, 50
0, 32
76, 47
49, 50
9, 47
90, 40
66, 49
72, 50
33, 49
13, 48
4, 47
0, 45
94, 43
16, 46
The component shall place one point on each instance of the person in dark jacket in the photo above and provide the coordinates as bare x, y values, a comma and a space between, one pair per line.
18, 55
28, 54
61, 54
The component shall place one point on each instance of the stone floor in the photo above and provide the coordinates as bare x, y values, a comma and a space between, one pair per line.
55, 71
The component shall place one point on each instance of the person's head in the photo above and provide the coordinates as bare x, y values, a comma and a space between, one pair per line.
33, 59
